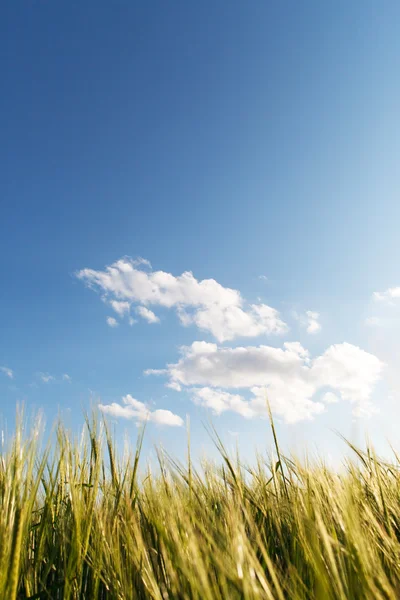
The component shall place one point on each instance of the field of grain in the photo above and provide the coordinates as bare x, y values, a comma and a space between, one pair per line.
77, 521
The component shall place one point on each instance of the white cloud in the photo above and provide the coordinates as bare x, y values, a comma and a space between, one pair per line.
389, 296
112, 322
155, 372
229, 322
46, 377
132, 321
66, 377
140, 261
220, 401
8, 372
351, 371
309, 320
287, 376
263, 278
120, 307
330, 398
313, 325
147, 314
207, 304
174, 385
138, 411
385, 306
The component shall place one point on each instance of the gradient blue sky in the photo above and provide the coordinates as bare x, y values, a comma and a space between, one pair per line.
229, 139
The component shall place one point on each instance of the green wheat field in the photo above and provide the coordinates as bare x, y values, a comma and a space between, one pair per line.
79, 521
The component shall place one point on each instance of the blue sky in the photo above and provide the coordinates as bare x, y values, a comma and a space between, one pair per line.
230, 140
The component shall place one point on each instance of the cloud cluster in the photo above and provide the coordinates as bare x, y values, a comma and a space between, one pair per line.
207, 304
287, 376
138, 411
237, 379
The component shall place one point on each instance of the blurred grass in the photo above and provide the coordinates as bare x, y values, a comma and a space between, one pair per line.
76, 522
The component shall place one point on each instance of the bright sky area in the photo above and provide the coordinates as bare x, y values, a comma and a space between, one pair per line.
200, 209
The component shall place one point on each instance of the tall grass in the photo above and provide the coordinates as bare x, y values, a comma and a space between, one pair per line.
77, 522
